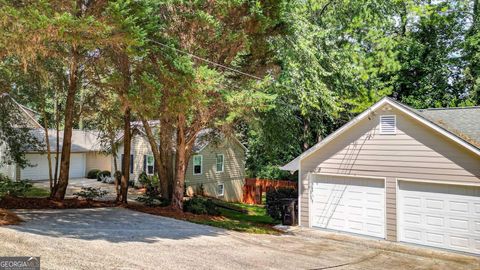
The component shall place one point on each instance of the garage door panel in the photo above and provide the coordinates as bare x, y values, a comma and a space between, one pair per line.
40, 169
434, 221
354, 205
441, 219
374, 213
374, 228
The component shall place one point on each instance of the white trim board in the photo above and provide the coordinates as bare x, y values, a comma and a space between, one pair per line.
454, 183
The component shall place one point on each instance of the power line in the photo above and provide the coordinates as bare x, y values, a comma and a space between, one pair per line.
206, 60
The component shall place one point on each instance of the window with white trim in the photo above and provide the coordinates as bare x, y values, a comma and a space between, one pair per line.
220, 158
388, 124
150, 164
197, 164
220, 189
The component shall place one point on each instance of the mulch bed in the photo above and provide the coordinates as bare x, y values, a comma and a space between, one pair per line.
45, 203
169, 211
8, 218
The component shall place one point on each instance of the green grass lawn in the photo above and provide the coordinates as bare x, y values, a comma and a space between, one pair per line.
255, 220
35, 192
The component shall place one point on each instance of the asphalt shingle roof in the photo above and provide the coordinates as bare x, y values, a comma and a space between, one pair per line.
82, 140
463, 122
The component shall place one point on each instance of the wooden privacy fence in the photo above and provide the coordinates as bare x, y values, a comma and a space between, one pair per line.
254, 188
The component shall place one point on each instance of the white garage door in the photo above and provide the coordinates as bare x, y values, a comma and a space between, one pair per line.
444, 216
349, 204
40, 171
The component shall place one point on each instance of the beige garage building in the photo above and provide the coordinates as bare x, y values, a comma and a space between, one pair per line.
397, 173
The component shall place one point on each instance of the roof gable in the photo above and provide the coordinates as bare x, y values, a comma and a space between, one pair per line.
294, 164
28, 113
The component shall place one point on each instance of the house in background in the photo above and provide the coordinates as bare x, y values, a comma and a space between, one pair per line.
216, 168
397, 173
86, 154
86, 150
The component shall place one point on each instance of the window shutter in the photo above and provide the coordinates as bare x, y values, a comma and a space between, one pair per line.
144, 163
131, 163
388, 124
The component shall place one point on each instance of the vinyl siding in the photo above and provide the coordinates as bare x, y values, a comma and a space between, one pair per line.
414, 152
232, 176
140, 147
96, 160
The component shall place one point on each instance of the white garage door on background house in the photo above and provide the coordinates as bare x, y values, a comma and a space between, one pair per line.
40, 171
439, 215
349, 204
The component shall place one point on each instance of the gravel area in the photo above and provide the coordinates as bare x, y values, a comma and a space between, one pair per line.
117, 238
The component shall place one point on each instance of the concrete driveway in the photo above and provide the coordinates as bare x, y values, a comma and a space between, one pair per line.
116, 238
76, 184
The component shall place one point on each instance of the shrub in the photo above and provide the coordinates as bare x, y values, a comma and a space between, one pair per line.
152, 200
13, 188
103, 174
151, 183
90, 193
107, 179
131, 183
276, 199
92, 174
201, 206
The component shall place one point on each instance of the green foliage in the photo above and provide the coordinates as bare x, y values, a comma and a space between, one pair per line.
102, 174
37, 192
92, 174
253, 219
15, 133
272, 172
8, 187
337, 58
150, 182
201, 206
91, 193
430, 54
152, 200
276, 200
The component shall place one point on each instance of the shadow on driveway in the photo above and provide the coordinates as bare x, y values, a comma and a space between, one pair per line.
110, 224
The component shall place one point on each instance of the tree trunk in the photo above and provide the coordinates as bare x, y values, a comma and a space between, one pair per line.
180, 164
57, 146
117, 178
159, 167
167, 153
127, 139
47, 141
62, 184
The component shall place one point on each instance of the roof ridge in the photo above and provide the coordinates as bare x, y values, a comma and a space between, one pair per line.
450, 108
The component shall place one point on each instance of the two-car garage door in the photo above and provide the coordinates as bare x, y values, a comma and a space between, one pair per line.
349, 204
40, 169
444, 216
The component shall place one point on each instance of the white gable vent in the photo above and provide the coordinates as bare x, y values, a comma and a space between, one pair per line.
388, 124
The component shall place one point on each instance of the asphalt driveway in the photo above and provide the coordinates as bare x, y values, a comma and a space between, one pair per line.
116, 238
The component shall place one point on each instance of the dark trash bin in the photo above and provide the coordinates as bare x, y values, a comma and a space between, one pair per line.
289, 212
